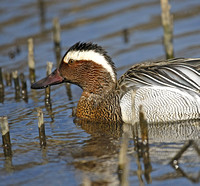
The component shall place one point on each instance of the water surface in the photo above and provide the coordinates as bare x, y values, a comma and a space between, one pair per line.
77, 152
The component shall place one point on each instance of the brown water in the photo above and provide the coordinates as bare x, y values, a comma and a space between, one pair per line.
79, 153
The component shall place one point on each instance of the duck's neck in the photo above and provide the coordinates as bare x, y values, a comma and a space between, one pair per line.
95, 107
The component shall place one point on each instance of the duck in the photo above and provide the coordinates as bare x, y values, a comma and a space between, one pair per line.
166, 90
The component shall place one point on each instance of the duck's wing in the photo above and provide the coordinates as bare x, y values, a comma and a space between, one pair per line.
178, 73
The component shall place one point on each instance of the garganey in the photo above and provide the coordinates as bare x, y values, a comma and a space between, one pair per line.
167, 90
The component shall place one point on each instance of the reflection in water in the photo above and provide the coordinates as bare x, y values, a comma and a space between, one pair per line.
123, 165
9, 168
175, 164
98, 158
177, 138
147, 149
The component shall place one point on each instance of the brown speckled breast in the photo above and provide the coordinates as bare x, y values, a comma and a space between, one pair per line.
99, 108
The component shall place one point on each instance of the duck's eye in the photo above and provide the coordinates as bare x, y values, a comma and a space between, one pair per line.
70, 61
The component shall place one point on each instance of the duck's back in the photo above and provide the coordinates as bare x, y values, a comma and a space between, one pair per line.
167, 91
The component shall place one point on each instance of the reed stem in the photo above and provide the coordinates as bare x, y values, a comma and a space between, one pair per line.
8, 77
48, 90
1, 87
24, 92
5, 136
16, 83
41, 128
126, 35
31, 61
167, 23
1, 80
56, 39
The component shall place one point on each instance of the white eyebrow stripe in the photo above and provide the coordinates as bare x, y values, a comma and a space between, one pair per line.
92, 56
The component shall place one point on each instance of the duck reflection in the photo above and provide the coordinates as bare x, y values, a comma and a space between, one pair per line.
149, 145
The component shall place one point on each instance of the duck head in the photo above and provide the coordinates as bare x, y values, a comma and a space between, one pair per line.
86, 65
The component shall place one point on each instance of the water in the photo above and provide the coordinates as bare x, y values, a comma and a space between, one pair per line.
76, 152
